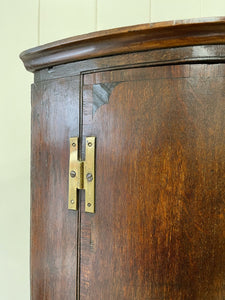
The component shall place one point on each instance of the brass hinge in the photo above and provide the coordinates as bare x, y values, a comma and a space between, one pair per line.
82, 175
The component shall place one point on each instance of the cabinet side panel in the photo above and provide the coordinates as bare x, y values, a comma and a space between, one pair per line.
55, 118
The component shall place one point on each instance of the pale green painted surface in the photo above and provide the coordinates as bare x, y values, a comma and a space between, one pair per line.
18, 31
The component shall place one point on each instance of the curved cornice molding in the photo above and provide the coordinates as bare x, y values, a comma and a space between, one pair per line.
144, 37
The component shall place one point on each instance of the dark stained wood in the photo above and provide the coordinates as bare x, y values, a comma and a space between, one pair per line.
125, 40
197, 54
55, 118
158, 115
158, 231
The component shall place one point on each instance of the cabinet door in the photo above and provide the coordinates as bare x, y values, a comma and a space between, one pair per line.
159, 227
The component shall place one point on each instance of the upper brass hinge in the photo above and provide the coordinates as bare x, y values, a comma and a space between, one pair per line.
82, 175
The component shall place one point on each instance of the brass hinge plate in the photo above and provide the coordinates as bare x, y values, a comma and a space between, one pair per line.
82, 175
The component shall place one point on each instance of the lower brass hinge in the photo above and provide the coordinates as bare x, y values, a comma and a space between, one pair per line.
82, 175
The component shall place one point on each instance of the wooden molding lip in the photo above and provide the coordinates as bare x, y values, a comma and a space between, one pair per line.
204, 31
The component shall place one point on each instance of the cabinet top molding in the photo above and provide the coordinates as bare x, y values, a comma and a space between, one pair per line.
204, 31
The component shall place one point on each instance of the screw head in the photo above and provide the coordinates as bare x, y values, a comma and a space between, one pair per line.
89, 177
89, 144
73, 174
74, 144
72, 201
89, 204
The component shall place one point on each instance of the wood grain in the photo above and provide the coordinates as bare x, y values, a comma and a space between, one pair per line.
125, 40
182, 55
158, 231
55, 118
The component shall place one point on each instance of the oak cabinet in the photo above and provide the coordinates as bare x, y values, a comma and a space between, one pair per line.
153, 96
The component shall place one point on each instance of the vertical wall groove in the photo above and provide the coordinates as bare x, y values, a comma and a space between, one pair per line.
39, 22
96, 15
150, 11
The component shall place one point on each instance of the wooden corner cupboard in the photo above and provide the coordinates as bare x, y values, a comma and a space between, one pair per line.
128, 164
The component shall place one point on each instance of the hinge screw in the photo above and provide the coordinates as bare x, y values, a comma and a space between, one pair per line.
89, 177
73, 174
89, 204
72, 201
74, 144
89, 144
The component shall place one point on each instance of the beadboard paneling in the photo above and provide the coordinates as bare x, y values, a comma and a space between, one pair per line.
19, 31
162, 10
213, 8
119, 13
60, 19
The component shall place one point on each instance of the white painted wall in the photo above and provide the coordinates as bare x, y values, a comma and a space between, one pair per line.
60, 19
24, 24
